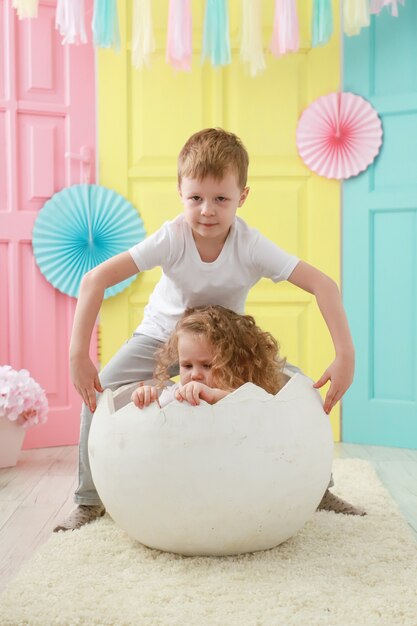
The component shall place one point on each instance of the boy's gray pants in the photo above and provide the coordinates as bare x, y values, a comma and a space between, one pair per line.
134, 361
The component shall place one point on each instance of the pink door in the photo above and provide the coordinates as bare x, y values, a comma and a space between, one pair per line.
47, 108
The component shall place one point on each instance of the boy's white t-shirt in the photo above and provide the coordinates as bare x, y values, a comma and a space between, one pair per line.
187, 281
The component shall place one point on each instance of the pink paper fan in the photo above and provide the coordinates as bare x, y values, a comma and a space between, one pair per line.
339, 135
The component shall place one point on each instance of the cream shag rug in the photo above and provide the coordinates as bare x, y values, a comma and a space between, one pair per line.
337, 570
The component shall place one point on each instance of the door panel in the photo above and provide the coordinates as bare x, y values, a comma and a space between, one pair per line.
146, 116
47, 107
379, 239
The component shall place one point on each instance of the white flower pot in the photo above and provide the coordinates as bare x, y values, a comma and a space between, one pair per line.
11, 440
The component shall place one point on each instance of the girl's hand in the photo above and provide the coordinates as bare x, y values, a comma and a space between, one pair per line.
193, 391
85, 378
340, 374
144, 395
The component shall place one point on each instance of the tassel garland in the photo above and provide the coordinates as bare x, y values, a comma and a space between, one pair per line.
179, 35
322, 22
216, 43
251, 49
285, 36
69, 21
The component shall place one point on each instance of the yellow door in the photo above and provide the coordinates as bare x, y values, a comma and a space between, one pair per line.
145, 117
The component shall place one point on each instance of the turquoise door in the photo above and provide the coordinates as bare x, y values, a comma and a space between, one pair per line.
379, 238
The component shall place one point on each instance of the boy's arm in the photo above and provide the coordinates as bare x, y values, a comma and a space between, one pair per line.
83, 372
340, 372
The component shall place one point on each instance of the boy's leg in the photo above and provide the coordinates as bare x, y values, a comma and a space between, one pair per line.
134, 361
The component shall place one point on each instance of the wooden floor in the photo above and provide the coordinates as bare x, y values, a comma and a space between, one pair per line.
38, 493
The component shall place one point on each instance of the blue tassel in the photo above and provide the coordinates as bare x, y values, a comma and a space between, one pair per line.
322, 22
106, 24
216, 42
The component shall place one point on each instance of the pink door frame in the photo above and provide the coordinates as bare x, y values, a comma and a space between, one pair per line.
47, 109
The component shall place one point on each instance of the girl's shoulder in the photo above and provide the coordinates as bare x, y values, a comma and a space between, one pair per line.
168, 394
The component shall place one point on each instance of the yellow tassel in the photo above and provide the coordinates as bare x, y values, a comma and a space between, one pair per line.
143, 43
26, 8
355, 16
251, 50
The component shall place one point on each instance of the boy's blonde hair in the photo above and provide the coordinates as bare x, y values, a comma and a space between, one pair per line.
213, 152
242, 352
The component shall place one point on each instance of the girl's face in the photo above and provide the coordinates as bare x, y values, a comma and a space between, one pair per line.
195, 357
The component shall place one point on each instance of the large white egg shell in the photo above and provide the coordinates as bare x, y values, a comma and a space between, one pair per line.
242, 475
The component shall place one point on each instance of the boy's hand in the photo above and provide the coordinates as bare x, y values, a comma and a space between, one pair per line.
85, 378
340, 374
193, 391
144, 395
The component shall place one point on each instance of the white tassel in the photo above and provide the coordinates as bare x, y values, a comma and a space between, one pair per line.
69, 20
251, 49
26, 8
143, 42
355, 16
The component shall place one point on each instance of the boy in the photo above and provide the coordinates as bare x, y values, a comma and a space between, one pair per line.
208, 256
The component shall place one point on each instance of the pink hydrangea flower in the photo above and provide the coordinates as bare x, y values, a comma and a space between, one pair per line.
22, 399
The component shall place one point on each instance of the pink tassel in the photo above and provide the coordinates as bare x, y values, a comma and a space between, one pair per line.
179, 36
377, 5
285, 37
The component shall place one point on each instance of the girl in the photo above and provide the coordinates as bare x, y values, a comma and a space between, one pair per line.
217, 351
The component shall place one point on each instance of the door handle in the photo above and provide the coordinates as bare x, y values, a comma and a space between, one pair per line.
85, 157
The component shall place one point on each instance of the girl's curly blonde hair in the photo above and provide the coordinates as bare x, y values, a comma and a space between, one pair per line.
242, 352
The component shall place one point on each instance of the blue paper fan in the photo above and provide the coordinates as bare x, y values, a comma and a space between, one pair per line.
80, 227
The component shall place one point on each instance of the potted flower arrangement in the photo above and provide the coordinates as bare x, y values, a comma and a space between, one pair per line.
23, 404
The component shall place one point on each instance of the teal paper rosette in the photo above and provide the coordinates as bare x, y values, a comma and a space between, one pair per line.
80, 227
